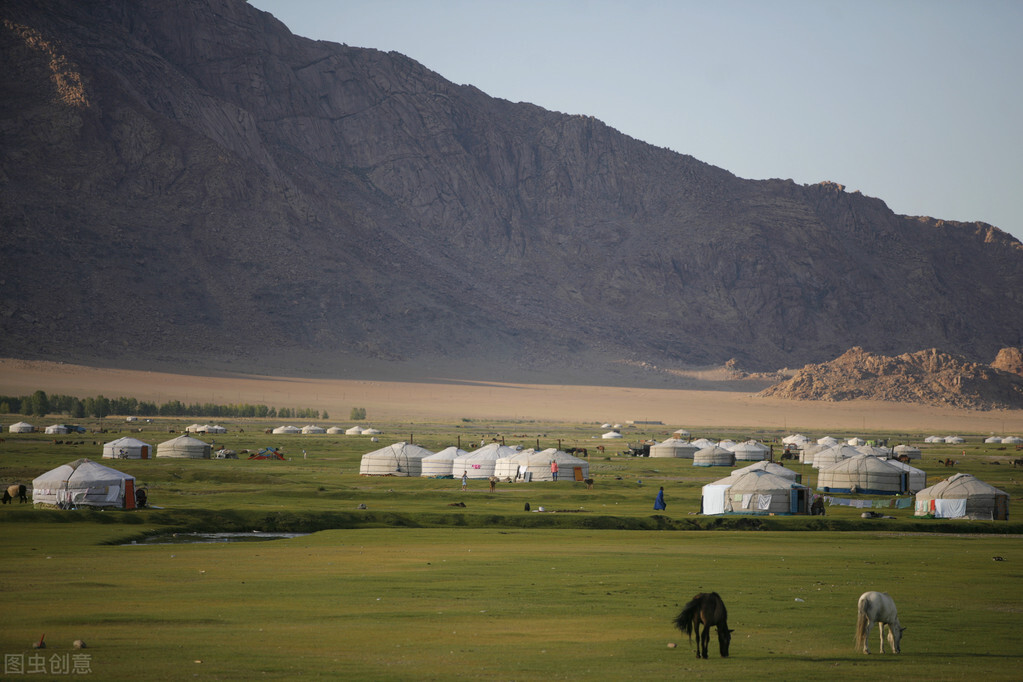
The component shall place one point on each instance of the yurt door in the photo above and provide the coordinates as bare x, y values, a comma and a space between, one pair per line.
797, 501
1001, 508
145, 452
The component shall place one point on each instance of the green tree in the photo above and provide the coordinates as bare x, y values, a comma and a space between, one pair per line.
357, 413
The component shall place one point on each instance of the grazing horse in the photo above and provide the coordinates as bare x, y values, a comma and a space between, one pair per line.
705, 609
877, 607
17, 490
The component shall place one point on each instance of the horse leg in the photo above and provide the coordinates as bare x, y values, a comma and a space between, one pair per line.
866, 635
705, 639
880, 631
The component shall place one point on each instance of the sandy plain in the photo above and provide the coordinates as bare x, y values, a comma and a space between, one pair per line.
445, 400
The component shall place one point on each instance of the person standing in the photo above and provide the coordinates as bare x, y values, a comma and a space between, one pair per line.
554, 469
465, 479
659, 500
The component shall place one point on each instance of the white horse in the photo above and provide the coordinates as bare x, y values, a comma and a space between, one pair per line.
877, 607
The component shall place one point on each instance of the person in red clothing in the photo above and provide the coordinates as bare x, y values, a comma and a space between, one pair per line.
554, 469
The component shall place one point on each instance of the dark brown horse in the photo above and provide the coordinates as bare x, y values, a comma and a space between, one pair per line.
705, 609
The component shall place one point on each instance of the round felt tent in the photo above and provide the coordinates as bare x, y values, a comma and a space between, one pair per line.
835, 453
680, 433
481, 463
713, 457
335, 430
21, 427
727, 444
907, 450
183, 447
84, 483
610, 435
751, 451
213, 428
127, 448
756, 492
963, 496
809, 451
993, 439
701, 443
56, 429
954, 440
286, 430
862, 474
397, 459
934, 439
1012, 440
439, 464
674, 447
829, 441
533, 465
354, 431
313, 429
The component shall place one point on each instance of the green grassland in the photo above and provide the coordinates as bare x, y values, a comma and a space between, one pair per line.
414, 588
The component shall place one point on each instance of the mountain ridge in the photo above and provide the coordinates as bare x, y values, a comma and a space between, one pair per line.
244, 196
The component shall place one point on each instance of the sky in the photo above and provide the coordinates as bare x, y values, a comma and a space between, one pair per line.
916, 102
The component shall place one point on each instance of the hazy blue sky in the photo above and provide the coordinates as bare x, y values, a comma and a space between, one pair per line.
916, 102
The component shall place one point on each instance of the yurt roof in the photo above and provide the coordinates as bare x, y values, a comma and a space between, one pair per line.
827, 440
762, 481
334, 430
680, 432
1015, 440
713, 451
873, 450
185, 441
769, 467
354, 430
703, 443
860, 462
127, 442
80, 470
406, 449
448, 454
751, 446
611, 434
960, 485
727, 444
795, 439
906, 449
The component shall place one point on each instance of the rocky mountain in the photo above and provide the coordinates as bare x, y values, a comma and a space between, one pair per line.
929, 377
190, 184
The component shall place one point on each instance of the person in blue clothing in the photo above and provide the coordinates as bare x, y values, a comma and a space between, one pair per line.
659, 501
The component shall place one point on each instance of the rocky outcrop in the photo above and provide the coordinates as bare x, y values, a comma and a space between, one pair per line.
191, 183
1009, 360
929, 377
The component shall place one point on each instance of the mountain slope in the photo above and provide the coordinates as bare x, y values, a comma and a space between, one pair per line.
191, 183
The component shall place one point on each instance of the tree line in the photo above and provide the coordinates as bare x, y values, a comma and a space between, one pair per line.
40, 404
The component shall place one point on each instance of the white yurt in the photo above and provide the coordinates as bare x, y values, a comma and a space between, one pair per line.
127, 448
751, 451
854, 441
213, 428
835, 453
673, 447
916, 479
771, 468
371, 432
56, 429
183, 447
701, 443
481, 463
934, 439
954, 440
797, 439
84, 483
874, 451
993, 439
533, 465
287, 429
828, 441
313, 429
756, 492
907, 450
681, 433
808, 452
21, 427
438, 465
397, 459
727, 444
1012, 440
713, 457
963, 496
610, 435
193, 428
862, 474
335, 430
354, 431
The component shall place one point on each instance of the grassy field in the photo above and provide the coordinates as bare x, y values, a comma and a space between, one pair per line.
413, 588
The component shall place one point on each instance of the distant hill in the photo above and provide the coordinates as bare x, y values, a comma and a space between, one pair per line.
928, 377
188, 184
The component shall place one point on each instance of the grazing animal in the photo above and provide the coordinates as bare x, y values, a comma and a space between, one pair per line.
904, 459
877, 607
1017, 463
705, 609
17, 490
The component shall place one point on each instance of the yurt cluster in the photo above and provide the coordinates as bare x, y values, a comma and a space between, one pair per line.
494, 460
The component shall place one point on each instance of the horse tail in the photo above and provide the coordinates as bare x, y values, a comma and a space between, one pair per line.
684, 620
861, 626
